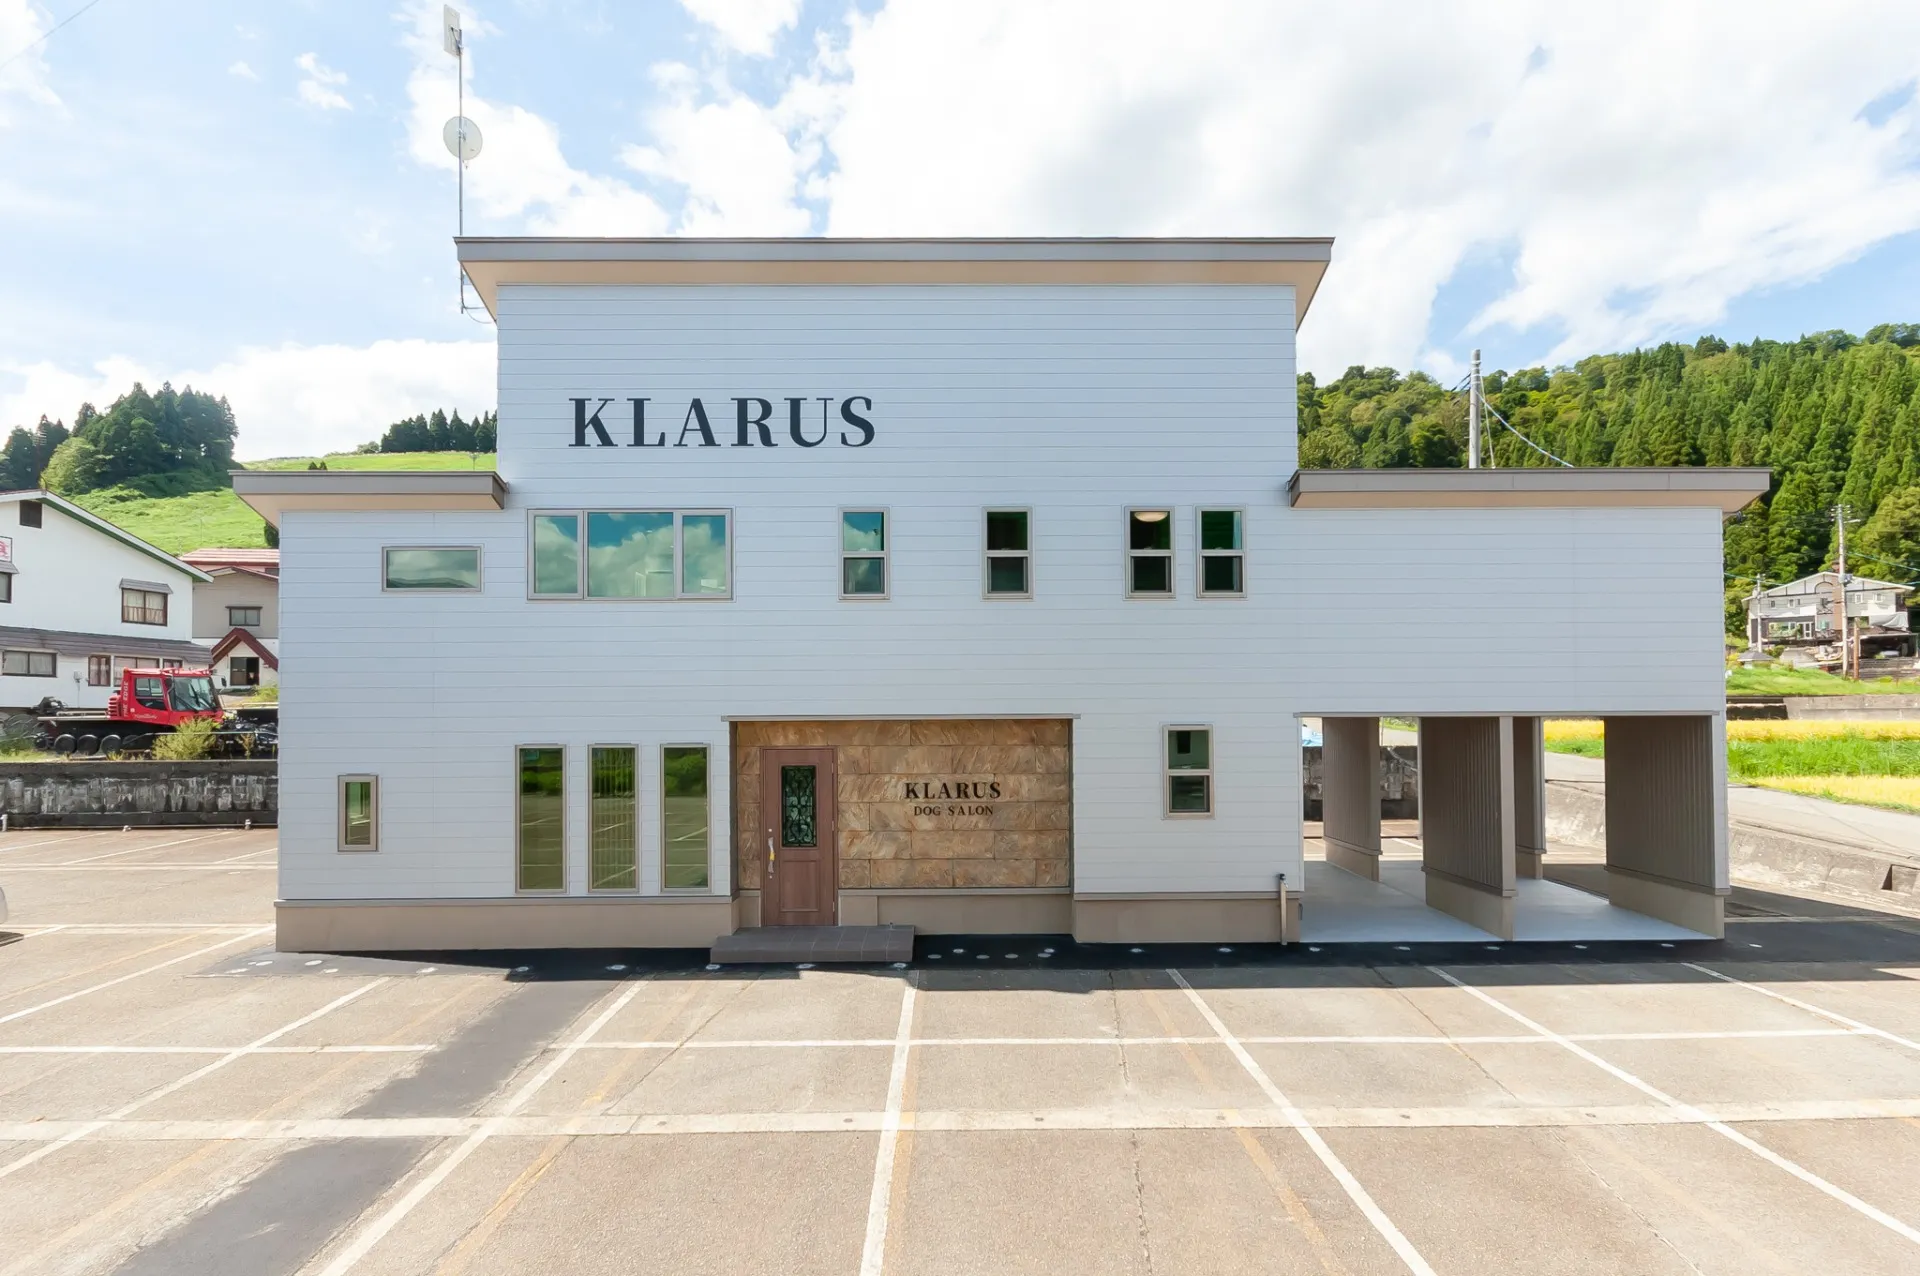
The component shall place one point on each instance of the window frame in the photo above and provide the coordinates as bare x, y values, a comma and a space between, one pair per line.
987, 555
234, 660
707, 749
6, 587
1167, 772
106, 677
885, 553
53, 662
1202, 553
519, 824
255, 623
165, 606
1129, 553
340, 813
479, 571
593, 749
679, 516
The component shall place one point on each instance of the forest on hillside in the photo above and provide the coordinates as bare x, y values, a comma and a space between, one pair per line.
1836, 417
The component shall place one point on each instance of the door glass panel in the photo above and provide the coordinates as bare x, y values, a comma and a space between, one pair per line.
798, 807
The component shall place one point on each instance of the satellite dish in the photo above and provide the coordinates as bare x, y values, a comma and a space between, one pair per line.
462, 137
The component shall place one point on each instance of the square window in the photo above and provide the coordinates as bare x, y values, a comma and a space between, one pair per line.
863, 554
430, 567
243, 671
359, 813
630, 555
1189, 771
1007, 576
1150, 553
142, 607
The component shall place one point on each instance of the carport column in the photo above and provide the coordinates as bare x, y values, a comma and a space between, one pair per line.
1467, 819
1667, 818
1350, 794
1529, 798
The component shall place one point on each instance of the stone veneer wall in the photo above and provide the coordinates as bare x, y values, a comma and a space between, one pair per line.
1024, 839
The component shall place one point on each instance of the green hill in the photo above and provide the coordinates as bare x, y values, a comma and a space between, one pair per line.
198, 520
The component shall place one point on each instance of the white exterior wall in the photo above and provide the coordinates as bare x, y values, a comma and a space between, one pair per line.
69, 579
1075, 402
235, 589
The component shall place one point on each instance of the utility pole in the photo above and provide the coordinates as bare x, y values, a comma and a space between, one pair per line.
1473, 414
1840, 592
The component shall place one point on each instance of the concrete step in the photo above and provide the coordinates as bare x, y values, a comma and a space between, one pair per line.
818, 944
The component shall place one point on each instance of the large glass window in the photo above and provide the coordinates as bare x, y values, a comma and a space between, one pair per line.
863, 553
432, 567
683, 787
1223, 571
611, 855
1150, 553
541, 850
193, 695
1009, 554
359, 813
631, 554
556, 556
1189, 771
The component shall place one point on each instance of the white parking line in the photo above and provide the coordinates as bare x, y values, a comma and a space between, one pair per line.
1510, 1039
873, 1251
362, 1244
135, 928
157, 846
1721, 1128
172, 1087
1853, 1024
7, 1050
78, 867
271, 850
1301, 1126
145, 970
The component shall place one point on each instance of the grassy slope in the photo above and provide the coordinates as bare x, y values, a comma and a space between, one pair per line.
202, 519
1810, 682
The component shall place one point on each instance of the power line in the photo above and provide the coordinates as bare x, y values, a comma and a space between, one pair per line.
1524, 439
45, 36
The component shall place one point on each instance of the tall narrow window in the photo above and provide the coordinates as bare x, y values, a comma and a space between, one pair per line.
359, 813
1009, 555
611, 856
706, 559
6, 587
1223, 572
863, 553
99, 671
683, 803
454, 569
1150, 553
1189, 771
542, 843
555, 566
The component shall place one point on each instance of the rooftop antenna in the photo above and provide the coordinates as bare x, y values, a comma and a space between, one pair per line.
461, 134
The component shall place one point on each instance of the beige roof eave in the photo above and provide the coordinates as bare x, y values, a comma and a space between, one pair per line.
493, 263
273, 492
1728, 490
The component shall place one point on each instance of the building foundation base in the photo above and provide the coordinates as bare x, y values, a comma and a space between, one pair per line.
1689, 906
1476, 906
1354, 859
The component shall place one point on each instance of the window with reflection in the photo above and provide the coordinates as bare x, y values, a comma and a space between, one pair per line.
630, 554
863, 553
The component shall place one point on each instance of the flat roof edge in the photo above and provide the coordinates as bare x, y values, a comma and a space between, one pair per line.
271, 493
822, 248
1727, 489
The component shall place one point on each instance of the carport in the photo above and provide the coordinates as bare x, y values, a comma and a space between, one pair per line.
1477, 867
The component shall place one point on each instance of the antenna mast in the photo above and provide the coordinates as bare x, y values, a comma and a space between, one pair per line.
1473, 414
461, 134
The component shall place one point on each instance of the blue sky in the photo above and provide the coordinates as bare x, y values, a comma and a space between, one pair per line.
255, 197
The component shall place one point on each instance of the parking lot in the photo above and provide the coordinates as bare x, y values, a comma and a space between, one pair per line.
177, 1098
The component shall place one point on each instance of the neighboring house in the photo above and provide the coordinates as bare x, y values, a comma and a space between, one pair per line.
237, 613
1803, 616
81, 599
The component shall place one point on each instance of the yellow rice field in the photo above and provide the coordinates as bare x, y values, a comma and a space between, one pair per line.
1576, 730
1901, 792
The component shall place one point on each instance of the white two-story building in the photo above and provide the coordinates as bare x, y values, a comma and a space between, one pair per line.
965, 584
81, 600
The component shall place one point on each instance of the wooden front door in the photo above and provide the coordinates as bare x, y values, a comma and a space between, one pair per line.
801, 883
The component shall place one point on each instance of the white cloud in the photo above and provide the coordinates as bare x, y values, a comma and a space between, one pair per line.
320, 86
22, 23
243, 71
521, 172
737, 161
745, 26
289, 400
1643, 164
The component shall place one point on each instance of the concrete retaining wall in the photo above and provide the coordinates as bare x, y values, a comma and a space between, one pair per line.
1399, 781
98, 794
1850, 708
1757, 856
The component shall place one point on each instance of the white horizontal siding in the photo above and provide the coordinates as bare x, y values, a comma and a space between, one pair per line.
1076, 403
